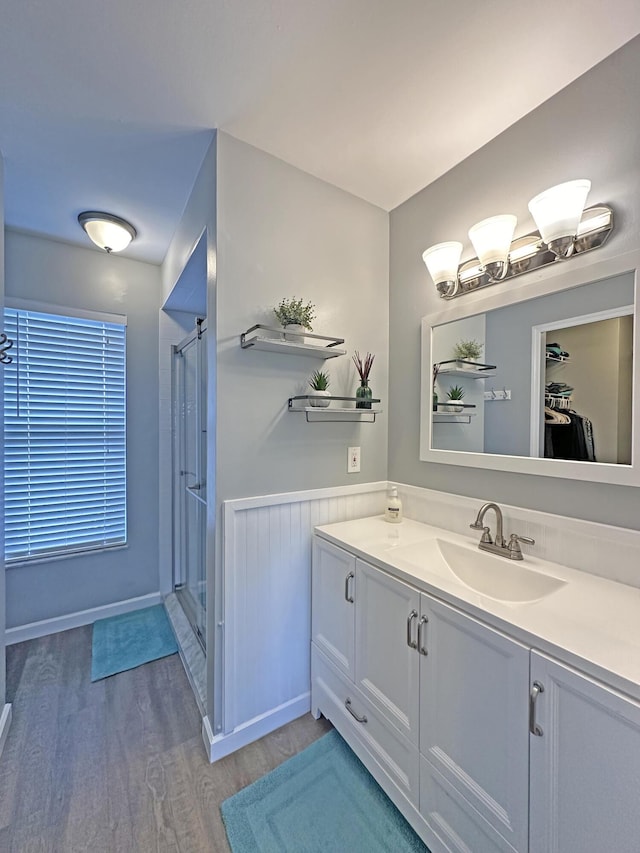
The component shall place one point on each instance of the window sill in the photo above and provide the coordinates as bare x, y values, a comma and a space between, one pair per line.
55, 558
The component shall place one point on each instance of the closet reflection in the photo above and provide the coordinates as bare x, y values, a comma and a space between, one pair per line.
588, 392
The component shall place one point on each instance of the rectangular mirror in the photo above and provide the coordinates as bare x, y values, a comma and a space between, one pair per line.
544, 376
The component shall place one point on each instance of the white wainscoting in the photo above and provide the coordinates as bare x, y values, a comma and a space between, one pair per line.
267, 606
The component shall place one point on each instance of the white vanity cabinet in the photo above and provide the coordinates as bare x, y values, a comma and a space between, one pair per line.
427, 695
585, 764
474, 742
485, 744
333, 613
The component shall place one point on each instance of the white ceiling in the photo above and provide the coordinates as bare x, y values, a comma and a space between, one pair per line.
110, 105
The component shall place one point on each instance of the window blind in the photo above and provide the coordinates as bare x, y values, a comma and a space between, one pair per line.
65, 435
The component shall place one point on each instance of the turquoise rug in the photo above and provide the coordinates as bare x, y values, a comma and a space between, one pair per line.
322, 800
129, 640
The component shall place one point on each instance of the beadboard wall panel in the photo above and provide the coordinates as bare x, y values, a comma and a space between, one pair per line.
267, 601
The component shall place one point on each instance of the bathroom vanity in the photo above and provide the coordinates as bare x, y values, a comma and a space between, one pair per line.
496, 702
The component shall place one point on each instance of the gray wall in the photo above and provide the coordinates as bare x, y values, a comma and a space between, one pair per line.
282, 233
60, 274
590, 129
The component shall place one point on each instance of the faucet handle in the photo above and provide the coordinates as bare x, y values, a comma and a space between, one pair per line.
486, 539
515, 552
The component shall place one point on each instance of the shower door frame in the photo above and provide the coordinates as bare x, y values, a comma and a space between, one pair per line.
182, 492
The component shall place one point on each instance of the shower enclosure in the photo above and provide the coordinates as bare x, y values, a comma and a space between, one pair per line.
189, 476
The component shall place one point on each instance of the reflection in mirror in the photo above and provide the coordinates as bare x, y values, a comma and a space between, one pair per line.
587, 389
550, 382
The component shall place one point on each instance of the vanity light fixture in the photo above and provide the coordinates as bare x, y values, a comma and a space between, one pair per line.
566, 230
557, 212
491, 239
442, 261
108, 232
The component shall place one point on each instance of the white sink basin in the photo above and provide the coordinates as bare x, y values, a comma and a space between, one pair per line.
494, 576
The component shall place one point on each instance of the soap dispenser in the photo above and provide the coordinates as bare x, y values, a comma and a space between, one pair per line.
393, 506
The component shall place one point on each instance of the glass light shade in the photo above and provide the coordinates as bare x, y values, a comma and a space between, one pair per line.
442, 261
557, 211
109, 232
492, 237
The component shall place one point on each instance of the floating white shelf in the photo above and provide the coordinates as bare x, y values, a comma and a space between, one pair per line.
339, 413
452, 417
465, 369
271, 340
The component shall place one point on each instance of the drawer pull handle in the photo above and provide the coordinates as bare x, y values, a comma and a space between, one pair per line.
347, 592
422, 648
347, 705
413, 644
536, 690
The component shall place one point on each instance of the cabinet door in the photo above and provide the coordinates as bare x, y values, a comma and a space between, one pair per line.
585, 764
474, 692
333, 595
387, 664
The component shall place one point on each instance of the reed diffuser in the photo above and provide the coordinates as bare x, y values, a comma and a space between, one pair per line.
363, 392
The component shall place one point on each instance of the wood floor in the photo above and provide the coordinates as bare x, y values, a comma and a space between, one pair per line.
118, 765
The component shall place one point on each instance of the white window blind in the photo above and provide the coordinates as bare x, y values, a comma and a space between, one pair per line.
65, 435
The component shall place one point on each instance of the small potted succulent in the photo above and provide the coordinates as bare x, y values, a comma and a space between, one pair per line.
455, 395
468, 351
319, 384
296, 316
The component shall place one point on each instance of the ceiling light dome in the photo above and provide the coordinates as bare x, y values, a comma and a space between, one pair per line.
107, 231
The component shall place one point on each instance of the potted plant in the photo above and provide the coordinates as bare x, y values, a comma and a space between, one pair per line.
296, 316
468, 350
319, 383
363, 366
455, 395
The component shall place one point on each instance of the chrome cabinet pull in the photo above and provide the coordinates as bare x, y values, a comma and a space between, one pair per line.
413, 644
536, 690
421, 644
347, 594
356, 717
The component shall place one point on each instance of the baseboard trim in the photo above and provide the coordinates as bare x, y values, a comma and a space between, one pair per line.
5, 722
217, 746
75, 620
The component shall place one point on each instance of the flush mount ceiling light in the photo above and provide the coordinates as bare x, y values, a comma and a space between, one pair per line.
566, 229
109, 232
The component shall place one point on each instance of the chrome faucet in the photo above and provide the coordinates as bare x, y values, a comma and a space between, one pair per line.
512, 549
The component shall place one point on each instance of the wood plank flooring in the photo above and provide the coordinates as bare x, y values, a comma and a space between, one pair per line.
118, 765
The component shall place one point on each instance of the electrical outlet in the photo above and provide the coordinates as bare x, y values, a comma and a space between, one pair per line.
353, 460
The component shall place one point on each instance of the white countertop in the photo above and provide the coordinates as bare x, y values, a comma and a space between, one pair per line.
590, 623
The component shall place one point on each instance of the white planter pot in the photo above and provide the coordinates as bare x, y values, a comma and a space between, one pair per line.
297, 338
318, 399
453, 407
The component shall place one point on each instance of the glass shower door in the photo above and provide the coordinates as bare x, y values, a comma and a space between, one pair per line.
190, 479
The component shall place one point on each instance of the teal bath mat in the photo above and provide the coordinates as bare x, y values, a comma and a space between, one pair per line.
129, 640
322, 800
